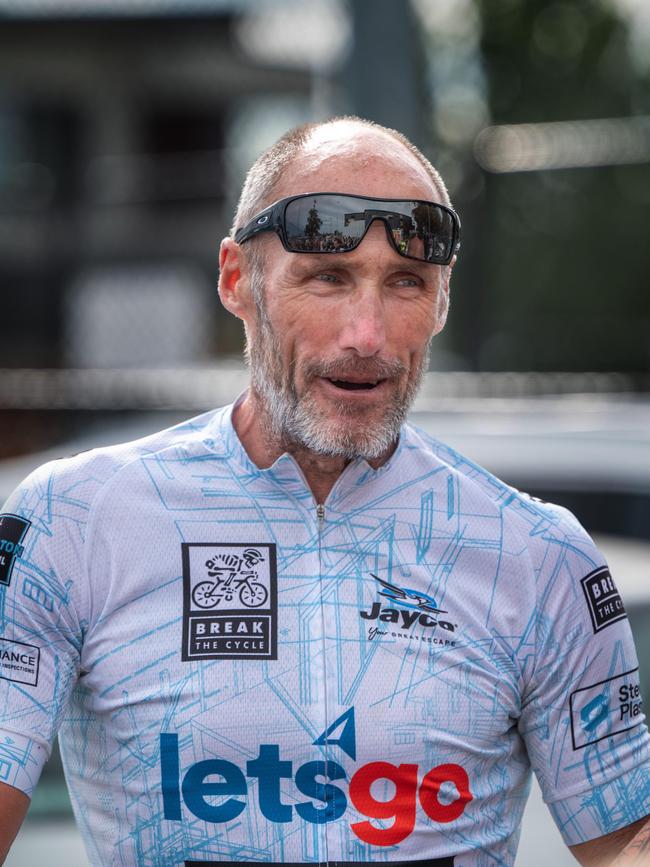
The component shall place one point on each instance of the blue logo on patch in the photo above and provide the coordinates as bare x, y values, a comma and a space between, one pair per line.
594, 712
408, 598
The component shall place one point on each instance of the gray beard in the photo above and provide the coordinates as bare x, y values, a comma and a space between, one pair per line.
298, 421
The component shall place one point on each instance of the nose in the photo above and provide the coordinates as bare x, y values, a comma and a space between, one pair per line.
364, 332
364, 329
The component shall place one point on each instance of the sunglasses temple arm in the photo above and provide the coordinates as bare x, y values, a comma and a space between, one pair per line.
265, 222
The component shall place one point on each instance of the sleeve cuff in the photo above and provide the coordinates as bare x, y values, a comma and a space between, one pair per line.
21, 761
603, 808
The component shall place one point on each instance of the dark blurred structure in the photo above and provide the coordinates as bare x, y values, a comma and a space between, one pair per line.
125, 129
574, 239
118, 172
113, 133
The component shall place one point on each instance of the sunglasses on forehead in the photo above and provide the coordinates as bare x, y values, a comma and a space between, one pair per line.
337, 223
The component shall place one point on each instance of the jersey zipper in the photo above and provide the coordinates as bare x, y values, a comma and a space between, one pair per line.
320, 516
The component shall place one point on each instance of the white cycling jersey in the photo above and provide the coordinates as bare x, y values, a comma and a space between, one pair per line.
238, 674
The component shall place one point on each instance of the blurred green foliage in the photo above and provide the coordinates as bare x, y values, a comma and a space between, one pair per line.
557, 260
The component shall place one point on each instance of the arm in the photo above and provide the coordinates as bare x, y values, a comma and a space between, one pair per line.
13, 806
627, 847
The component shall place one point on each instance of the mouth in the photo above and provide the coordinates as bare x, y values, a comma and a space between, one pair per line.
355, 385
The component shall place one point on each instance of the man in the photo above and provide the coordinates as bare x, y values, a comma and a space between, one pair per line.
296, 629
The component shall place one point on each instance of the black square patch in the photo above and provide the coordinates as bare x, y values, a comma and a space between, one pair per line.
12, 532
229, 601
605, 604
19, 661
604, 709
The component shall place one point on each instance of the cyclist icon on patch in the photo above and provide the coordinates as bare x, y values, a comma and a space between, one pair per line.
231, 577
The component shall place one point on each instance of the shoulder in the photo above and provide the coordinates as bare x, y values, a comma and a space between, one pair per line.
72, 484
531, 516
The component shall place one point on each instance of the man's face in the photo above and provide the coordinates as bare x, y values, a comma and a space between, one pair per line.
339, 343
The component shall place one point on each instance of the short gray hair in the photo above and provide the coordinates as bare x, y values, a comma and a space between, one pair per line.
264, 175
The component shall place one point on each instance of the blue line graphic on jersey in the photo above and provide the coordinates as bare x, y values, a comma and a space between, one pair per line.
326, 802
377, 731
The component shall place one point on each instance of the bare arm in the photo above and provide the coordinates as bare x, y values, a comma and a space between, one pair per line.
13, 806
627, 847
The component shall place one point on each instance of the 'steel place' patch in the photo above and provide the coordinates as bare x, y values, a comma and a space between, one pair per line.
229, 601
604, 709
605, 604
12, 532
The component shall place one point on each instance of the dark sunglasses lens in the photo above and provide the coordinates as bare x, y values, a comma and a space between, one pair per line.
331, 223
316, 224
430, 235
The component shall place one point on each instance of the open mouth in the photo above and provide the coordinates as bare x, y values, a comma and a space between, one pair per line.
348, 385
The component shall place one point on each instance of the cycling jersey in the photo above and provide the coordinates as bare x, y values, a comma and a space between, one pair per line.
238, 674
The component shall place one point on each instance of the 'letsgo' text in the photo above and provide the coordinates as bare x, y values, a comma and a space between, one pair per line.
327, 802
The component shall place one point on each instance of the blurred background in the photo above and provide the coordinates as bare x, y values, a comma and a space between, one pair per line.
126, 127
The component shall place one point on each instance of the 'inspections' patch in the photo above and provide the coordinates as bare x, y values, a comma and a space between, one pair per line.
229, 601
12, 532
19, 662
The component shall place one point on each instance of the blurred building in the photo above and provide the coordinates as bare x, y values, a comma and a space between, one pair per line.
126, 127
115, 133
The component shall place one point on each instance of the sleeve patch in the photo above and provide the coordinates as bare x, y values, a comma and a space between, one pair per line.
609, 707
13, 530
603, 600
19, 662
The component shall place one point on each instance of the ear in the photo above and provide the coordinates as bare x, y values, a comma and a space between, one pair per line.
443, 296
234, 282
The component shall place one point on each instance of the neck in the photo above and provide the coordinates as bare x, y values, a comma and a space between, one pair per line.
252, 425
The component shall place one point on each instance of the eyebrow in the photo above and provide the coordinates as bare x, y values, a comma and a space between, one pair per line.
337, 262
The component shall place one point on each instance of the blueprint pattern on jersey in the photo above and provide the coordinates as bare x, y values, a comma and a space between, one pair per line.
239, 676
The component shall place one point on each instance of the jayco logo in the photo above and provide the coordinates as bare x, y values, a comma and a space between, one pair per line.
326, 802
409, 608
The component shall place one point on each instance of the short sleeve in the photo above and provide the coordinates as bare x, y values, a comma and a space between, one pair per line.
41, 558
582, 714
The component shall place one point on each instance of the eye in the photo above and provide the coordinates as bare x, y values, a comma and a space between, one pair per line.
327, 277
408, 285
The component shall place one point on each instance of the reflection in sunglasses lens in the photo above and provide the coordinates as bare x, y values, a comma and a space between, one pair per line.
331, 223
